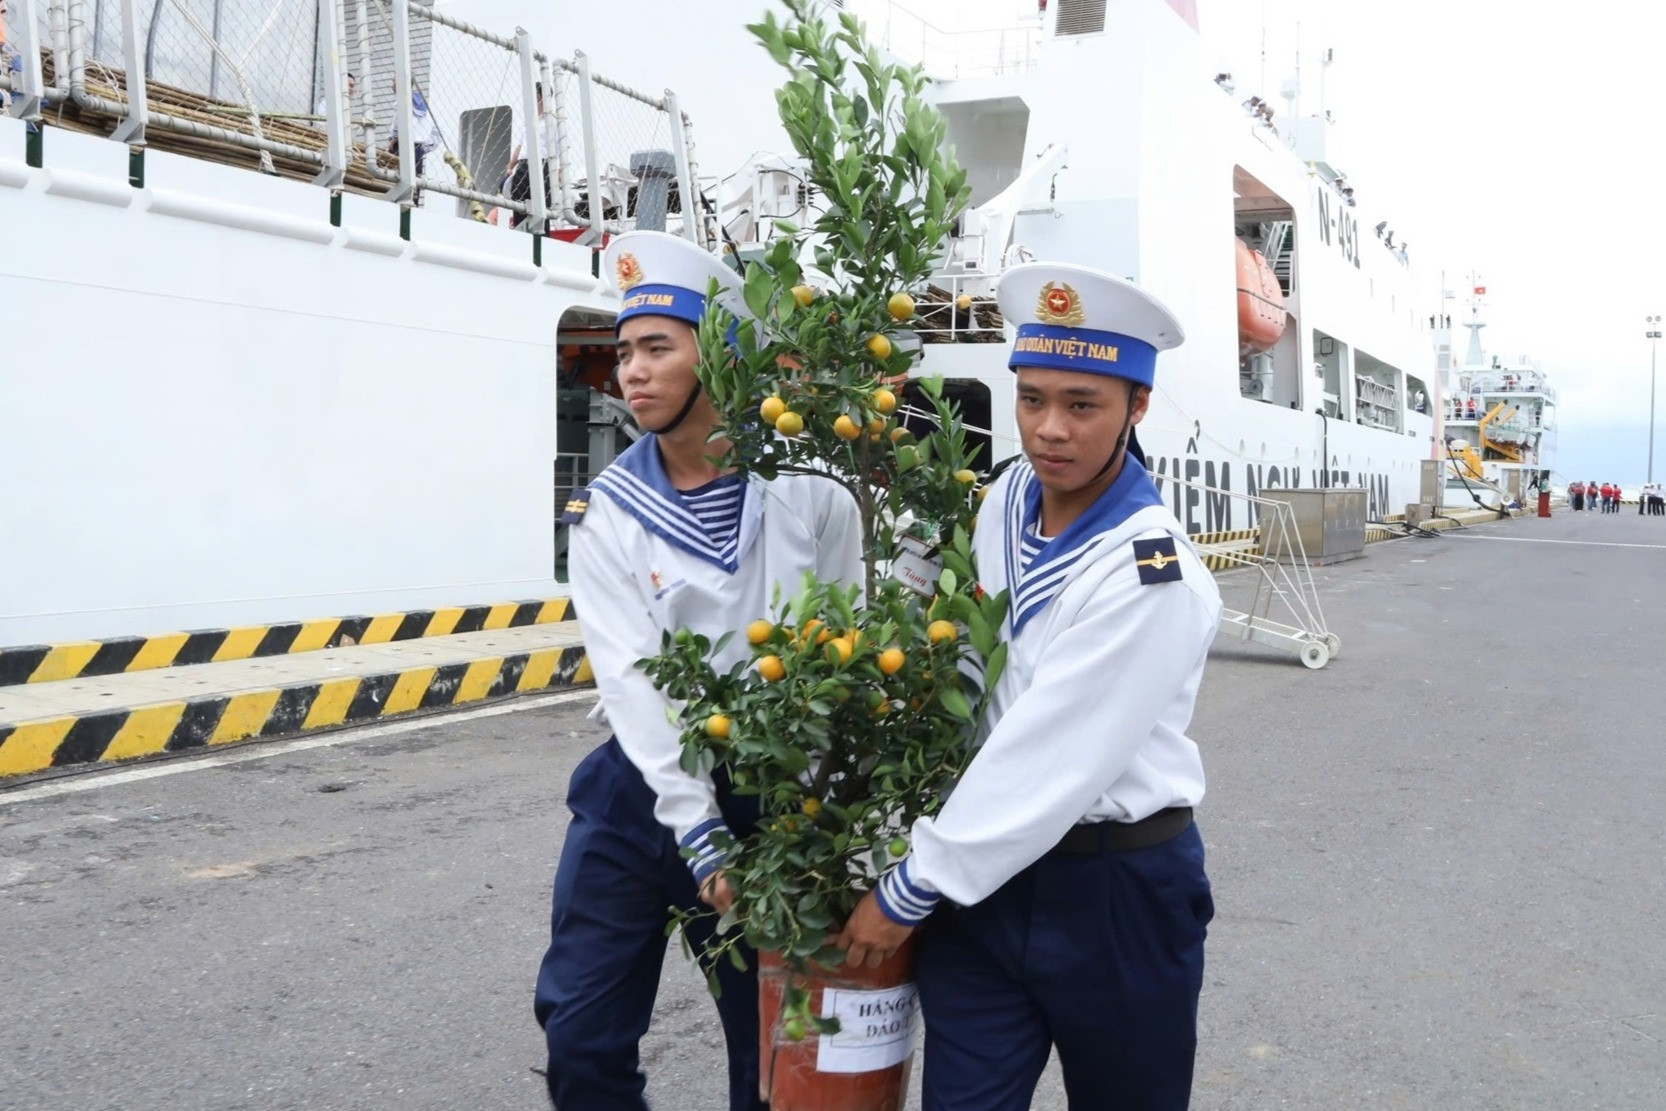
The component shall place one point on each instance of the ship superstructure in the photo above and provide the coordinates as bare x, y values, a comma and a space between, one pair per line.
1499, 415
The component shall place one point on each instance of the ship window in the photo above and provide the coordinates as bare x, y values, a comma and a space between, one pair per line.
1081, 17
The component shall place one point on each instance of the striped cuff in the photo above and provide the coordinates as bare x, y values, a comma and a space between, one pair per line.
905, 899
704, 857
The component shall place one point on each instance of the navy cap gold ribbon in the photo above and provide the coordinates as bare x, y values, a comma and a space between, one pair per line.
664, 300
1053, 347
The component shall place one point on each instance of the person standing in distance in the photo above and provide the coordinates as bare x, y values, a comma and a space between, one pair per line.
662, 541
1065, 869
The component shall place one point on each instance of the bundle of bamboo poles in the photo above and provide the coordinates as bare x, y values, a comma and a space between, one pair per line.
937, 312
303, 132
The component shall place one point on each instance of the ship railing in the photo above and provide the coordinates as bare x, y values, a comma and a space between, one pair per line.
217, 72
1522, 422
611, 142
994, 51
319, 90
1505, 382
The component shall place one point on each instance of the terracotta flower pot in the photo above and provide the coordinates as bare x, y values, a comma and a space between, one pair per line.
865, 1066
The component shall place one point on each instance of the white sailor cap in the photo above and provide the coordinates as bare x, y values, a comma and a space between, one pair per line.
658, 274
1076, 318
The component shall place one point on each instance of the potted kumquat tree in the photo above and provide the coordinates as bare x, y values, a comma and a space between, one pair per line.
859, 701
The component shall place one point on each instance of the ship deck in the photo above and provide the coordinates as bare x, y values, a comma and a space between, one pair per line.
1437, 871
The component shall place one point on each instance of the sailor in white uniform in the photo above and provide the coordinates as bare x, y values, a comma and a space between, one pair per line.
1065, 869
663, 541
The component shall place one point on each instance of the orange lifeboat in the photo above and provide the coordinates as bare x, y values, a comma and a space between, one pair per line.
1260, 303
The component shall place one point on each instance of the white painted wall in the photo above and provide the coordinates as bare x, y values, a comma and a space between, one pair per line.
237, 413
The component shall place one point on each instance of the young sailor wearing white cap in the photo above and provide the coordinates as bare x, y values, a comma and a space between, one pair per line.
1065, 861
662, 541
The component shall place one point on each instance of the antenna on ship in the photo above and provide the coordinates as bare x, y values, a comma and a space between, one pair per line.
1263, 44
1325, 60
1290, 91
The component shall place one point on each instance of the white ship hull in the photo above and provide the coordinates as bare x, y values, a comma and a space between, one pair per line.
221, 409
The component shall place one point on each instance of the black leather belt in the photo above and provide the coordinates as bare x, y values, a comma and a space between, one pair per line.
1116, 837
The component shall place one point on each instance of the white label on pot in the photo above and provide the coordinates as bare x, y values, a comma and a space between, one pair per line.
914, 570
876, 1029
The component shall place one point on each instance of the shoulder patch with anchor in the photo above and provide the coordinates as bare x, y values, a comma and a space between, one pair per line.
1157, 560
577, 502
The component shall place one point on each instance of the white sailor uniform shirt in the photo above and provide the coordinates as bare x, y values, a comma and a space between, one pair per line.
1088, 721
646, 559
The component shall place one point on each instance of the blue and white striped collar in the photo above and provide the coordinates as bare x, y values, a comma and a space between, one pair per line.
1057, 563
637, 481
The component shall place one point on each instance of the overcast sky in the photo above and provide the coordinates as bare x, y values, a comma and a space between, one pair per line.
1516, 142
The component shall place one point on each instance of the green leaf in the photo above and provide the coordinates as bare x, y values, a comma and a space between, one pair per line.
955, 702
982, 636
948, 581
994, 666
756, 289
770, 35
959, 564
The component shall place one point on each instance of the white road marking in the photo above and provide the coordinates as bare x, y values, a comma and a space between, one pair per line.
1577, 543
93, 781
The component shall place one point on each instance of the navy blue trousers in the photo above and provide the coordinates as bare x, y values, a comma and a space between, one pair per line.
620, 872
1101, 956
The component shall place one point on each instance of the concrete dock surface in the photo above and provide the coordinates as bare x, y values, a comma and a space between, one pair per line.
1438, 869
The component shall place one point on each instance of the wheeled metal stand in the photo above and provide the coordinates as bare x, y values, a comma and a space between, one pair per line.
1289, 581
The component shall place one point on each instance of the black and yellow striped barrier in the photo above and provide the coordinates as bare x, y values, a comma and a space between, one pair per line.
44, 663
177, 726
1237, 556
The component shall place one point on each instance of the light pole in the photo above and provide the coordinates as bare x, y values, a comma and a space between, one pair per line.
1653, 336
